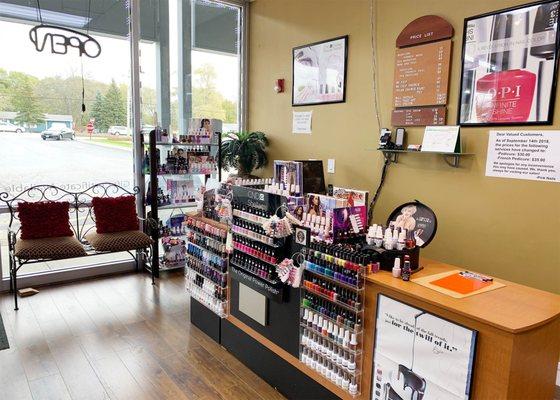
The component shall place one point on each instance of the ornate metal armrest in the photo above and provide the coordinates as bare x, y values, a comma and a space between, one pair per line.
12, 238
151, 222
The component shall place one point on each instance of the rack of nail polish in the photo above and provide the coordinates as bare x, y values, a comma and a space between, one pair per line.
207, 262
255, 266
207, 292
332, 311
255, 251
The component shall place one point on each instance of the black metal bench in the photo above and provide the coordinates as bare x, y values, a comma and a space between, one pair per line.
85, 241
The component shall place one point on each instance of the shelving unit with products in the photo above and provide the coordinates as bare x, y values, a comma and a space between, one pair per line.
255, 252
332, 313
207, 263
177, 167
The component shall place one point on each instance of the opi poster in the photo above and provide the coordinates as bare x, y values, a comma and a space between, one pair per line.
510, 61
319, 72
419, 355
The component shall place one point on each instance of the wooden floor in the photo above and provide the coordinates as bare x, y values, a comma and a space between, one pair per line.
117, 338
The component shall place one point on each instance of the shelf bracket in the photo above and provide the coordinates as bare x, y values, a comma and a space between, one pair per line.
451, 160
391, 157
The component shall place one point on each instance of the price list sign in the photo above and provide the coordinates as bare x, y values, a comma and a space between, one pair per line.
422, 75
419, 116
532, 155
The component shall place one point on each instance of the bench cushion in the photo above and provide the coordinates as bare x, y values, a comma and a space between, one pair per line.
119, 241
115, 214
49, 248
44, 219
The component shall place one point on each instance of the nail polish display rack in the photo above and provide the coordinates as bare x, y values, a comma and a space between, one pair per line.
207, 263
254, 251
332, 314
161, 200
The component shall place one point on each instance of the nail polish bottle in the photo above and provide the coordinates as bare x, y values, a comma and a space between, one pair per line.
353, 342
353, 387
345, 382
339, 378
346, 338
351, 363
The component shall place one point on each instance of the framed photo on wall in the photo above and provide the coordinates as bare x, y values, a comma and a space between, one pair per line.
319, 72
509, 66
419, 355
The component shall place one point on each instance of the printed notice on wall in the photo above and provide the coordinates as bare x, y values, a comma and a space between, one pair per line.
533, 155
301, 122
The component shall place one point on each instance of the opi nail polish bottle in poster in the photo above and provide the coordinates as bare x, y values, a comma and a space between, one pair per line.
506, 93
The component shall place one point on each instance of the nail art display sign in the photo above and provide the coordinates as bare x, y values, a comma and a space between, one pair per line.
419, 355
509, 66
532, 155
319, 72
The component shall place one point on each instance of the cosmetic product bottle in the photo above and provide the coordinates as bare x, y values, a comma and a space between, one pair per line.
353, 342
397, 268
406, 271
505, 94
345, 382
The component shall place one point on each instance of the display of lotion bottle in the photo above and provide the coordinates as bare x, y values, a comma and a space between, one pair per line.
397, 268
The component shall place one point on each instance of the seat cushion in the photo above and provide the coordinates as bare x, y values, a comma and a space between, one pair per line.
44, 219
115, 214
49, 248
118, 241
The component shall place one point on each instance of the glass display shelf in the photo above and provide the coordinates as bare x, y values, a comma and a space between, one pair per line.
332, 280
175, 206
192, 280
184, 144
339, 324
335, 302
211, 251
354, 373
309, 330
258, 238
452, 159
206, 264
171, 266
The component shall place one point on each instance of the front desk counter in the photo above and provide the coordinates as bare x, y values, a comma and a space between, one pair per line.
518, 343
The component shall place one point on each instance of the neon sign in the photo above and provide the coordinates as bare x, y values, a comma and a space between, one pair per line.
59, 40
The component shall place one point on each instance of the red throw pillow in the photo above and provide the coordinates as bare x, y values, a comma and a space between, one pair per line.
115, 214
44, 219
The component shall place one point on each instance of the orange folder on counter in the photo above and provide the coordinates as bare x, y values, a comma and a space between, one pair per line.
460, 284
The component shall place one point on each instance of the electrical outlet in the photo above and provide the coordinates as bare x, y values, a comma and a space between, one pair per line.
330, 166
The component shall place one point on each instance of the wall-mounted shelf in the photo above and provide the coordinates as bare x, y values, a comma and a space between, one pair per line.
452, 159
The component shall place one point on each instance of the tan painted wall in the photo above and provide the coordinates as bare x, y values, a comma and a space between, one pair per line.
505, 227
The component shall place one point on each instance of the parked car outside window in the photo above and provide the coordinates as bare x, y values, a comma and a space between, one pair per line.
9, 127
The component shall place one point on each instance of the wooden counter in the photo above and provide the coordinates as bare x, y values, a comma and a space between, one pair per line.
514, 308
518, 332
518, 340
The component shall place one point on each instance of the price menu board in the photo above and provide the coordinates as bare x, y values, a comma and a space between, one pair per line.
419, 116
422, 75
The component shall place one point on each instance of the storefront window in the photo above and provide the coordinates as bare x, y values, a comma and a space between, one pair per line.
189, 65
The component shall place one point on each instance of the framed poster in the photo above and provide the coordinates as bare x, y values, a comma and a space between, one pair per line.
419, 355
509, 66
319, 72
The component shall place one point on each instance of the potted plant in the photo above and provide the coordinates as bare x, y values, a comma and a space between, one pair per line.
244, 151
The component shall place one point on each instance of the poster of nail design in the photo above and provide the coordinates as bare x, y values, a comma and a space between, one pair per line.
419, 355
319, 72
510, 63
